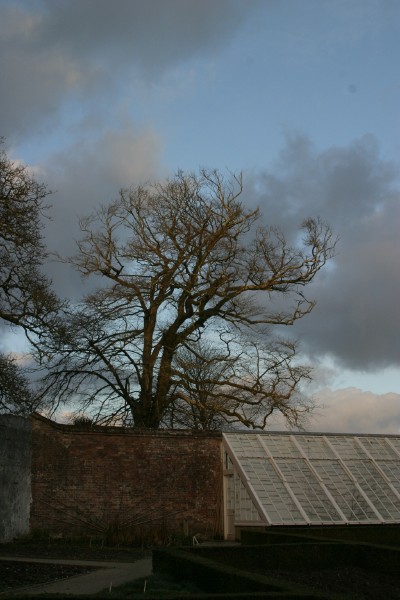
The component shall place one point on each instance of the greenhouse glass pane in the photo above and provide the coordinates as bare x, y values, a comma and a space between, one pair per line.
246, 445
378, 448
280, 446
395, 442
347, 447
376, 488
272, 492
315, 447
244, 506
344, 491
392, 472
308, 491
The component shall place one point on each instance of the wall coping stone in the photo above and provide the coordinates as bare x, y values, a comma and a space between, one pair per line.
114, 430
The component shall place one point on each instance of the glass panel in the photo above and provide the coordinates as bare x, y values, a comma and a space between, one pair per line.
230, 493
314, 447
376, 488
346, 447
392, 472
245, 445
378, 448
308, 491
280, 446
272, 492
244, 507
395, 442
344, 491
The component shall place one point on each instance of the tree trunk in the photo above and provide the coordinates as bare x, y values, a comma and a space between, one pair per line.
146, 414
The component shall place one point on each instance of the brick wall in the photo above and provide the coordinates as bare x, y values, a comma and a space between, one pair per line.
88, 482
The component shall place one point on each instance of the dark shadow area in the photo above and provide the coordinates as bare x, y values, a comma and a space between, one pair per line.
328, 562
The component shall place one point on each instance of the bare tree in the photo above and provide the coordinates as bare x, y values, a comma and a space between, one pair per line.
244, 383
26, 299
16, 393
203, 400
184, 261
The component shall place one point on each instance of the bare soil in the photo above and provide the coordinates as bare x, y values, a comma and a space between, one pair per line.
351, 582
66, 550
21, 574
14, 574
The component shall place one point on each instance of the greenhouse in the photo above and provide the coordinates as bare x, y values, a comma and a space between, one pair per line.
310, 479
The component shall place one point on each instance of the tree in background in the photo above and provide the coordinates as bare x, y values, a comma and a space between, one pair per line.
184, 263
16, 393
204, 403
26, 299
215, 393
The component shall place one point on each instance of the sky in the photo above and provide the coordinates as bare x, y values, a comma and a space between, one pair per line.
302, 96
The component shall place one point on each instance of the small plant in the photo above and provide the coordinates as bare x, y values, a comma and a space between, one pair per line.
83, 422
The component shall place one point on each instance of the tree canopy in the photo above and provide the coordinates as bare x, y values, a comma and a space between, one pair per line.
183, 264
16, 393
26, 298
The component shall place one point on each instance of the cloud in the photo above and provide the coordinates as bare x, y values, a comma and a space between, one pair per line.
52, 52
352, 410
356, 191
349, 410
90, 173
38, 76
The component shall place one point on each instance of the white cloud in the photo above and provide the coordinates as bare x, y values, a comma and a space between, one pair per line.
349, 410
352, 410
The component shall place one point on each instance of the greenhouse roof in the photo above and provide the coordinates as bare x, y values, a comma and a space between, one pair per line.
298, 479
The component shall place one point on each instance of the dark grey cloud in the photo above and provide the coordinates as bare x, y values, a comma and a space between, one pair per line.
152, 34
52, 51
356, 191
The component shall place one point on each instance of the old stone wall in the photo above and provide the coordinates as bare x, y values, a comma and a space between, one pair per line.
104, 479
15, 476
